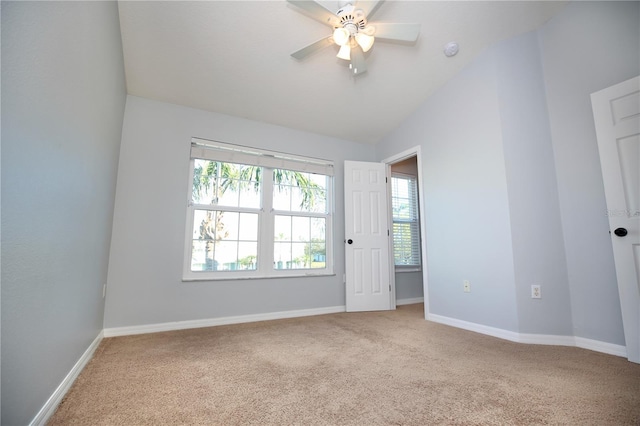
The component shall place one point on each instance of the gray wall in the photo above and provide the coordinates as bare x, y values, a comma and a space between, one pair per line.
464, 191
145, 272
525, 159
588, 47
536, 230
63, 96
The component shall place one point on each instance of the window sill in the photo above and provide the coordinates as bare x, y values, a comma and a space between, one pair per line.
256, 277
408, 269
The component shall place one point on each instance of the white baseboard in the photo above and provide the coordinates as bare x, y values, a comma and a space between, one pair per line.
409, 301
211, 322
536, 339
54, 400
604, 347
478, 328
546, 339
239, 319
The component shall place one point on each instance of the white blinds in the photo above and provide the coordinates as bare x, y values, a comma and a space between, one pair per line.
406, 230
219, 151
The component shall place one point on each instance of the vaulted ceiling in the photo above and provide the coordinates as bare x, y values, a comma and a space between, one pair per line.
233, 57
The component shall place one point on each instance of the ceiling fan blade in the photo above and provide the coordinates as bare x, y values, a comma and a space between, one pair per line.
313, 48
401, 32
358, 64
369, 7
316, 11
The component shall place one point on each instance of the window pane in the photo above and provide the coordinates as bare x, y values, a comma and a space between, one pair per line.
228, 225
281, 197
204, 224
226, 184
224, 241
282, 255
318, 254
318, 229
282, 228
301, 230
247, 256
299, 192
202, 256
204, 182
299, 256
248, 228
226, 255
300, 242
406, 233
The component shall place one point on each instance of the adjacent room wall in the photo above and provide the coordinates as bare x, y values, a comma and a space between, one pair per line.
586, 48
63, 98
145, 272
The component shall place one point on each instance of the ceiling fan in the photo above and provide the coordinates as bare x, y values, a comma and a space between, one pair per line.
352, 31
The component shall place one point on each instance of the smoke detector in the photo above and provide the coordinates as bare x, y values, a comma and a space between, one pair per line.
451, 49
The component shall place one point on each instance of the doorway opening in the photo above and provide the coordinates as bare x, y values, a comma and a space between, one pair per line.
406, 217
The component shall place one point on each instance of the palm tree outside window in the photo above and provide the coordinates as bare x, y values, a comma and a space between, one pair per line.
253, 219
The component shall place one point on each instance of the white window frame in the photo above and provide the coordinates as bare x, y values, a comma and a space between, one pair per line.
416, 244
268, 160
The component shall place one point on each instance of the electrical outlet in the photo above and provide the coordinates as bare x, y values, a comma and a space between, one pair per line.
535, 292
466, 285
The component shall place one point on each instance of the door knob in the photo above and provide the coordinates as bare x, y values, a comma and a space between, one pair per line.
620, 232
350, 241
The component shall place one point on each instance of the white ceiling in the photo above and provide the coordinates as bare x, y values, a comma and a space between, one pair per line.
233, 57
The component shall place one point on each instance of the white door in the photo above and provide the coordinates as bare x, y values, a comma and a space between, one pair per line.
366, 237
616, 111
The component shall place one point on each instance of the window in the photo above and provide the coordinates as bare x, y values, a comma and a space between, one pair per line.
256, 213
406, 230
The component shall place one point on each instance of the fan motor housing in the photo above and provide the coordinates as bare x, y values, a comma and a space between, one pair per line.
352, 19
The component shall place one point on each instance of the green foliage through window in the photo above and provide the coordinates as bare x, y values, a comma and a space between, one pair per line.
229, 214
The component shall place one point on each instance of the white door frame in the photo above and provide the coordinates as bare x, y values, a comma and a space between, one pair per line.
411, 152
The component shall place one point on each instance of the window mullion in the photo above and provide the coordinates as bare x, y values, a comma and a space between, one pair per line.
265, 239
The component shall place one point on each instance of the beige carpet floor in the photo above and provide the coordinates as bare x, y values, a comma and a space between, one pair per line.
387, 368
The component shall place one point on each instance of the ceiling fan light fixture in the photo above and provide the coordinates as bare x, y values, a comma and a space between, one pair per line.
341, 36
351, 32
365, 41
345, 52
369, 30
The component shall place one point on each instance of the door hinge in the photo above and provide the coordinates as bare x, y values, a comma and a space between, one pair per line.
388, 233
386, 180
389, 288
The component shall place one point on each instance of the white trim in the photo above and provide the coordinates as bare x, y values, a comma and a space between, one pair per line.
546, 339
212, 322
471, 326
54, 400
232, 153
604, 347
536, 339
409, 301
416, 151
